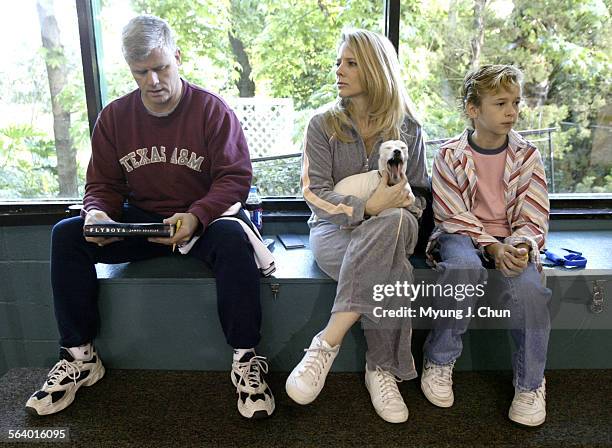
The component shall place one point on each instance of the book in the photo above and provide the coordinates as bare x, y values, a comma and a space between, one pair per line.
291, 241
129, 229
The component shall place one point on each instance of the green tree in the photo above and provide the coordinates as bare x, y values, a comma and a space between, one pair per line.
57, 75
563, 49
27, 163
287, 49
297, 49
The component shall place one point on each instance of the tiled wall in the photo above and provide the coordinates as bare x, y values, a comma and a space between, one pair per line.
28, 335
173, 324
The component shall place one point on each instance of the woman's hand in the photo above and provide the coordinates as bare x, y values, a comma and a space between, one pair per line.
385, 197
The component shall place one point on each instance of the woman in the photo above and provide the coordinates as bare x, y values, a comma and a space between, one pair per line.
363, 244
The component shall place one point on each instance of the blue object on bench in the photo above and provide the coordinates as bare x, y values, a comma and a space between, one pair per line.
573, 260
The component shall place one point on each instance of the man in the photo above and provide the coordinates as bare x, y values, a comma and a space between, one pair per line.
167, 151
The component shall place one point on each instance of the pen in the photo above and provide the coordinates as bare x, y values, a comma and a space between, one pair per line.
178, 226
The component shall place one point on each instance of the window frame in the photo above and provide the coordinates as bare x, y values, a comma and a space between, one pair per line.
568, 206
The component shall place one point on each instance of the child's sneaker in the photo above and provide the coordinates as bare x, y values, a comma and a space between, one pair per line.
63, 382
385, 395
529, 407
255, 399
306, 381
437, 383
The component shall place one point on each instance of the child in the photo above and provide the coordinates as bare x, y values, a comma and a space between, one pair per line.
491, 204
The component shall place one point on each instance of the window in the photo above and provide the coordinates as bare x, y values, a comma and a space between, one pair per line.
562, 47
271, 61
44, 135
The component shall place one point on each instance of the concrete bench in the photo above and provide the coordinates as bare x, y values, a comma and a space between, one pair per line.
162, 314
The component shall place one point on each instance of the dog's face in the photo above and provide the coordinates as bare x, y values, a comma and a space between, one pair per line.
393, 158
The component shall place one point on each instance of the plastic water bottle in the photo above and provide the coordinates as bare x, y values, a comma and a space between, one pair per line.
254, 206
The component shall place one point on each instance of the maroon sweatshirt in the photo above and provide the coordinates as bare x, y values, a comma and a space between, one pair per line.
194, 160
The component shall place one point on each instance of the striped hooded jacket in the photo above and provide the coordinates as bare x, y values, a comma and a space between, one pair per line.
454, 186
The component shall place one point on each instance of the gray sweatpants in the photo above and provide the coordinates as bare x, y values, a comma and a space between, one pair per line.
374, 253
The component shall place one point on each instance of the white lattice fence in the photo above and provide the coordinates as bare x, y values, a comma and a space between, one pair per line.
267, 124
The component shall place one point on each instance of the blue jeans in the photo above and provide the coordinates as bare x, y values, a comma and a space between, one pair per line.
524, 296
223, 245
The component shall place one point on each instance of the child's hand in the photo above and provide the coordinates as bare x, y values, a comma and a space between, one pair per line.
516, 259
510, 260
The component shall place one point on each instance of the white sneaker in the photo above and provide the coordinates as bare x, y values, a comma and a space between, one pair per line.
255, 399
529, 407
437, 383
307, 379
63, 382
385, 395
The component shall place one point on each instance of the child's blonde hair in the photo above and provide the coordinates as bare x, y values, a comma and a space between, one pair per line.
488, 79
379, 74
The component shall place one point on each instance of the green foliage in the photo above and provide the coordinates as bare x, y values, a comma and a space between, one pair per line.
27, 163
201, 28
297, 48
278, 177
588, 184
28, 159
55, 58
28, 82
567, 51
563, 47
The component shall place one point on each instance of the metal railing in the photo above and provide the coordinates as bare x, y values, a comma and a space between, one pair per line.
543, 135
547, 150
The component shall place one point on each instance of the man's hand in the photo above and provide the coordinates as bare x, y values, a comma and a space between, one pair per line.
385, 197
100, 217
510, 260
189, 224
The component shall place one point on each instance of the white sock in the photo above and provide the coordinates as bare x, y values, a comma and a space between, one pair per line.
82, 352
239, 352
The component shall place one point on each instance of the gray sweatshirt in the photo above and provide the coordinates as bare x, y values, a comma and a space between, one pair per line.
327, 160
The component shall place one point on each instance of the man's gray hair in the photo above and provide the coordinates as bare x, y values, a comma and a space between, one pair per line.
143, 34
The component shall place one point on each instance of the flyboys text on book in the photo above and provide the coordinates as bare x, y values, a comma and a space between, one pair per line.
129, 229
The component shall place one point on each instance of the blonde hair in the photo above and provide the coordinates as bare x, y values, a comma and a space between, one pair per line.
488, 79
379, 74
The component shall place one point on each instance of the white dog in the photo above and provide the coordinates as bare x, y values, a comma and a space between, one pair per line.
393, 158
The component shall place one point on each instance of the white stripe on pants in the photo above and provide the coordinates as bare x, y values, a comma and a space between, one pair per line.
374, 253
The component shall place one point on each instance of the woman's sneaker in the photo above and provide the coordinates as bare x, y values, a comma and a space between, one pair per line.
306, 381
437, 383
385, 395
529, 407
63, 382
255, 399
